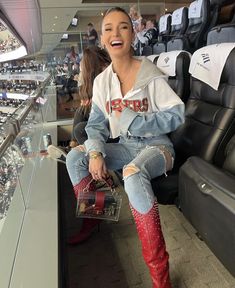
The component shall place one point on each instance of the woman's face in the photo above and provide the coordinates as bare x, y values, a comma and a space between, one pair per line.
117, 34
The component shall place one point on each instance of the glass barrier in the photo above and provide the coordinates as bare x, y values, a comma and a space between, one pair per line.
21, 150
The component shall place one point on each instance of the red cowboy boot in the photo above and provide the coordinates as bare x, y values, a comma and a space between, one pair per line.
88, 225
86, 231
153, 246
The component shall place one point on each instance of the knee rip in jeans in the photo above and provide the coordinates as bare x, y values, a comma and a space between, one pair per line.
80, 148
129, 170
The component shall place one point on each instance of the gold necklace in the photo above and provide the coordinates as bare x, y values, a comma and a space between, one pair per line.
123, 81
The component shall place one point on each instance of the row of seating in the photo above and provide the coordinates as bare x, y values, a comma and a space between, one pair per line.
203, 179
187, 28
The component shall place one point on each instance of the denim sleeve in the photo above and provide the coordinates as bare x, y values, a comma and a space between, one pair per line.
151, 124
97, 130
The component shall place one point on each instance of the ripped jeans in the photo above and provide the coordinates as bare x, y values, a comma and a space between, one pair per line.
147, 157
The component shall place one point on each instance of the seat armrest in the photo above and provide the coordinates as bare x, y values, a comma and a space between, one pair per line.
213, 176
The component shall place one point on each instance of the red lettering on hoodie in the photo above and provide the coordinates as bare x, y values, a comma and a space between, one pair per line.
135, 105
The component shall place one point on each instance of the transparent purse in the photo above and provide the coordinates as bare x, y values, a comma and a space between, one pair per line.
103, 203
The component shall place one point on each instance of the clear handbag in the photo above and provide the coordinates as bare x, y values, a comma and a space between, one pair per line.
103, 203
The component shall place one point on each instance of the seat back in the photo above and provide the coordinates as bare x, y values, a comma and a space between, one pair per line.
221, 34
179, 21
180, 82
147, 50
198, 23
164, 26
221, 12
222, 23
164, 33
209, 118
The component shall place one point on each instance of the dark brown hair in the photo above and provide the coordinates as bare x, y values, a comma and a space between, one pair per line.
119, 9
94, 61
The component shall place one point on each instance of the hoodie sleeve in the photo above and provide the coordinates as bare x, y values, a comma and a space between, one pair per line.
97, 126
168, 116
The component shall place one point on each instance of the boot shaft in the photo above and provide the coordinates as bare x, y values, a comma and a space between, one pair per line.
153, 246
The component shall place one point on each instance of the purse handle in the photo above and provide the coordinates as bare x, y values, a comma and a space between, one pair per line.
108, 181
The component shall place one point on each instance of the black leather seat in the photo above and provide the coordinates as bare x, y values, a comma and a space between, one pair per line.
221, 34
222, 12
207, 199
222, 23
194, 37
209, 125
147, 50
164, 33
180, 82
179, 25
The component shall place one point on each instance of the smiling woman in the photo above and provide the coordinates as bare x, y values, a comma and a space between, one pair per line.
131, 100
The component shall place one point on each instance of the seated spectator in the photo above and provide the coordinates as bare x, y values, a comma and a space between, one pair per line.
140, 39
131, 99
135, 16
72, 56
69, 86
93, 62
152, 32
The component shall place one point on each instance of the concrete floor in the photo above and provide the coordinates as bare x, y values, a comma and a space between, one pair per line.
112, 258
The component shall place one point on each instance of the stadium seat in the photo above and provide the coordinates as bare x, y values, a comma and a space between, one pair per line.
176, 66
221, 34
207, 200
222, 26
147, 50
209, 125
164, 32
179, 24
193, 39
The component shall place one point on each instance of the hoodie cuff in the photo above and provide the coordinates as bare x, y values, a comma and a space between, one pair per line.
94, 145
127, 117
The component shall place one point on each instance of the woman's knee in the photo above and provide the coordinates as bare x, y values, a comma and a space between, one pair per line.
130, 170
74, 155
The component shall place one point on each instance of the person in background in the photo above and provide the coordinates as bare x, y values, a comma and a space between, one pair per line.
92, 35
140, 40
152, 32
131, 99
134, 15
70, 86
93, 62
71, 56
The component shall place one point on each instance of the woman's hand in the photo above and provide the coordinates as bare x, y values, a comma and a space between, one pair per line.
97, 168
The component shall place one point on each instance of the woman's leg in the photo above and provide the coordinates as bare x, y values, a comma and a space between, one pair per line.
77, 166
150, 162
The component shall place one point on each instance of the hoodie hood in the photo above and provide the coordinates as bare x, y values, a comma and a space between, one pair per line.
147, 72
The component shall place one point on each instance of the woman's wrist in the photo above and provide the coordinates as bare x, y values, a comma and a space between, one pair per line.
95, 155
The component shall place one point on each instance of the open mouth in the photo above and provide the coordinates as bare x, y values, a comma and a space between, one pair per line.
116, 43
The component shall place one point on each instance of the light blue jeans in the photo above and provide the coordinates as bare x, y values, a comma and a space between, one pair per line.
148, 158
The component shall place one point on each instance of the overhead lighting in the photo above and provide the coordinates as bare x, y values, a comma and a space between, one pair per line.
166, 9
65, 36
56, 17
74, 21
52, 30
102, 14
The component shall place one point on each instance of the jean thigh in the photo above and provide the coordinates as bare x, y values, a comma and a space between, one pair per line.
117, 155
151, 161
